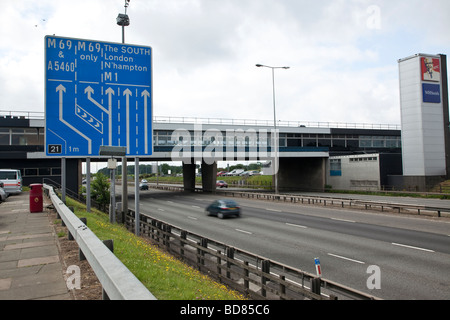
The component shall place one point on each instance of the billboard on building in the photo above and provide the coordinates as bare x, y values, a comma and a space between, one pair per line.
431, 69
431, 93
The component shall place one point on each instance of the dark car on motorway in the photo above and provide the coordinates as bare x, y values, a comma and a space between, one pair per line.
223, 208
221, 184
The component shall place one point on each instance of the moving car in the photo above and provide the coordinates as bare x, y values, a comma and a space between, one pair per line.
223, 208
221, 184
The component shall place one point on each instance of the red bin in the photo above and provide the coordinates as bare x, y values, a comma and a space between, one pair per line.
36, 201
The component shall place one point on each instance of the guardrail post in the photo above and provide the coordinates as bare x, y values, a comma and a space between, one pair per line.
164, 237
230, 255
246, 276
201, 253
265, 268
153, 226
158, 228
104, 295
219, 263
282, 286
108, 243
183, 237
315, 285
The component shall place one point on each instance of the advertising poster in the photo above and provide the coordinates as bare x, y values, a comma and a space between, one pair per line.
431, 69
431, 93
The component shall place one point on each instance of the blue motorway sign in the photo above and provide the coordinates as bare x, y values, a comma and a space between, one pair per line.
97, 94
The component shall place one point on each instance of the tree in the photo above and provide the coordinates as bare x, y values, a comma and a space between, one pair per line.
100, 190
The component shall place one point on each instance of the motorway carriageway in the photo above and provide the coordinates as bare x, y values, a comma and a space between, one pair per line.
412, 252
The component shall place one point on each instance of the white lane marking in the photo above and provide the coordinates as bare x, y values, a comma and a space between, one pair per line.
243, 231
274, 210
411, 247
193, 218
345, 258
161, 209
344, 220
196, 207
296, 225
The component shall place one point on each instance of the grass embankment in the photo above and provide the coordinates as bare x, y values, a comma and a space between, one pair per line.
165, 277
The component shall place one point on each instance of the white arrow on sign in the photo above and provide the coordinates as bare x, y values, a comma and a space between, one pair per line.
110, 93
146, 95
128, 93
89, 92
61, 89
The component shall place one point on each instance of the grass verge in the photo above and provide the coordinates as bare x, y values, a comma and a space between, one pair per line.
165, 277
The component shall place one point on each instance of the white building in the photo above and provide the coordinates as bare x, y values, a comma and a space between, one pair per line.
363, 171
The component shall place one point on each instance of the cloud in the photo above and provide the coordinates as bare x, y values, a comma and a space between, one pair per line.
342, 53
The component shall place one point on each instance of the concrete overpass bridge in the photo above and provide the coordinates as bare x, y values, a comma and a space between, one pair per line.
303, 147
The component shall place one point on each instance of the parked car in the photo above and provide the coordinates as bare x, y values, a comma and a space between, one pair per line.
223, 208
221, 184
3, 194
12, 180
143, 186
235, 172
250, 173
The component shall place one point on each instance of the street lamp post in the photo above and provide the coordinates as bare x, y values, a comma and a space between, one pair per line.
123, 20
275, 166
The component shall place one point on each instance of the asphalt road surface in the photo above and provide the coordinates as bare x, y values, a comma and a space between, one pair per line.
412, 253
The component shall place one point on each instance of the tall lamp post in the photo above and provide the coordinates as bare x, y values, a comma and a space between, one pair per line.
123, 20
275, 166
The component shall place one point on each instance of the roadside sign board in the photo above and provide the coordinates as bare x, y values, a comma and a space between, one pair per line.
97, 94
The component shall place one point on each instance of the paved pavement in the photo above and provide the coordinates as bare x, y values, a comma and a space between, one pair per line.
30, 264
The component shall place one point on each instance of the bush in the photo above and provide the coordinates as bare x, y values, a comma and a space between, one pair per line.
100, 190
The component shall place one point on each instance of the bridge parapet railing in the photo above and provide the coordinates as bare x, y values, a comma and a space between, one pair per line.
228, 121
280, 123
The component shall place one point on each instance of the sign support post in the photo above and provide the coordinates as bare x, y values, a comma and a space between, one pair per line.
137, 221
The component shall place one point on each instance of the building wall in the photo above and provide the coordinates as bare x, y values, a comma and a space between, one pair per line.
423, 144
354, 172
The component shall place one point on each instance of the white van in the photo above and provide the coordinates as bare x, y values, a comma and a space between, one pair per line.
12, 180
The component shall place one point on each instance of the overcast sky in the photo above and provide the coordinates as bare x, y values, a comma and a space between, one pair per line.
342, 54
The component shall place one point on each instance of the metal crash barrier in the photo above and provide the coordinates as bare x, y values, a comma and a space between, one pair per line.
117, 281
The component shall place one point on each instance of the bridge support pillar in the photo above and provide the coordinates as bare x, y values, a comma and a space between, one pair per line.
189, 177
302, 174
209, 176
